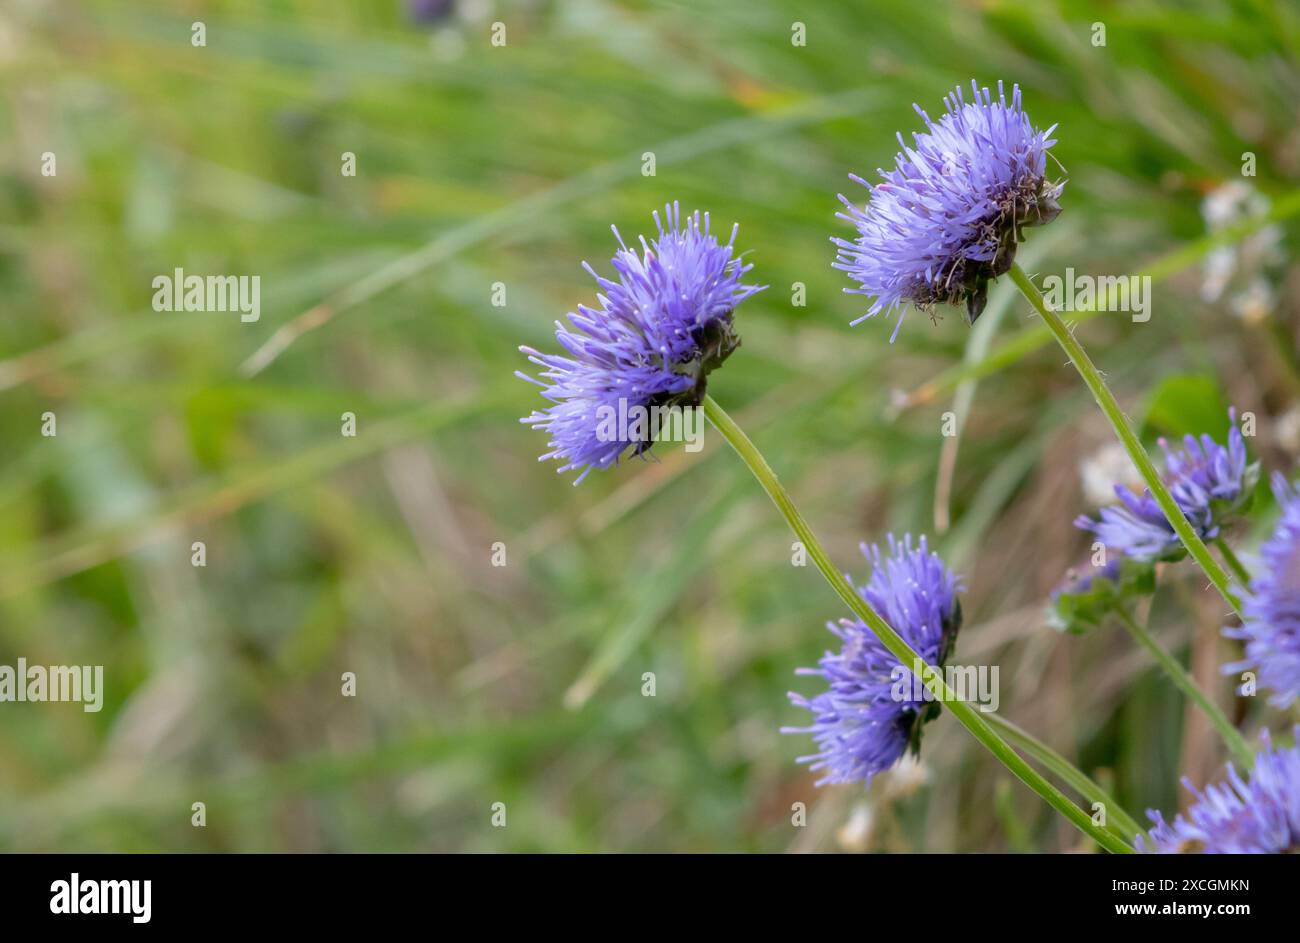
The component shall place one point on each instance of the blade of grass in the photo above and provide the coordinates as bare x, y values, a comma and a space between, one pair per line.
82, 549
535, 208
652, 595
981, 337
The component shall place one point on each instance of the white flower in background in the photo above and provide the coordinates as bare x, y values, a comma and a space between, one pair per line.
909, 775
1246, 261
1255, 301
1286, 430
1105, 468
855, 834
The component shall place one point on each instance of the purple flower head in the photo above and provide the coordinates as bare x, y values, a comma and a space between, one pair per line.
871, 713
658, 332
947, 219
1209, 482
1257, 816
1088, 595
1271, 607
429, 11
1082, 580
1082, 583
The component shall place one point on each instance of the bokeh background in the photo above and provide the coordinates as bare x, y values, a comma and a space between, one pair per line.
476, 165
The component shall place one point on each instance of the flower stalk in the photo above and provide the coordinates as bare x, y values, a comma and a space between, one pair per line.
1127, 437
1234, 564
1183, 680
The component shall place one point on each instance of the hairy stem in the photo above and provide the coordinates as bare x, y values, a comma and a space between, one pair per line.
1234, 564
969, 717
1183, 680
1106, 400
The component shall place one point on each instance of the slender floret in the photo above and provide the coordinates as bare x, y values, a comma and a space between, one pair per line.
947, 219
1271, 607
873, 710
1210, 483
648, 348
1255, 816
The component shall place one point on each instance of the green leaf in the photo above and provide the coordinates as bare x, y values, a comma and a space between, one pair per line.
1090, 596
1185, 404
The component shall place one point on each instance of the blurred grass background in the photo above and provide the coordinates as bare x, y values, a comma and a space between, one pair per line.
475, 165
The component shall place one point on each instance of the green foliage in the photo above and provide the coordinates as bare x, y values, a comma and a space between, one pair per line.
476, 165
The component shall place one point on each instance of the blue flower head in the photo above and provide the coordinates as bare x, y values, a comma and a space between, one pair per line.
1259, 815
947, 218
1210, 483
1089, 595
862, 725
429, 11
657, 333
1271, 606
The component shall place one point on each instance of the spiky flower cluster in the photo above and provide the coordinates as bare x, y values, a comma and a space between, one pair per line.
1271, 607
1210, 483
658, 332
947, 219
866, 720
939, 227
1259, 815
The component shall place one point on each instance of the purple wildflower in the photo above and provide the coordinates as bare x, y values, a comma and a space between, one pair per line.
1088, 595
429, 11
1271, 607
947, 219
1258, 816
862, 725
660, 329
1209, 482
1084, 596
1080, 580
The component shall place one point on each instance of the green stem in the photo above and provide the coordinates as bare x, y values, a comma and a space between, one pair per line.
1234, 564
969, 717
1185, 683
1106, 400
1118, 820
